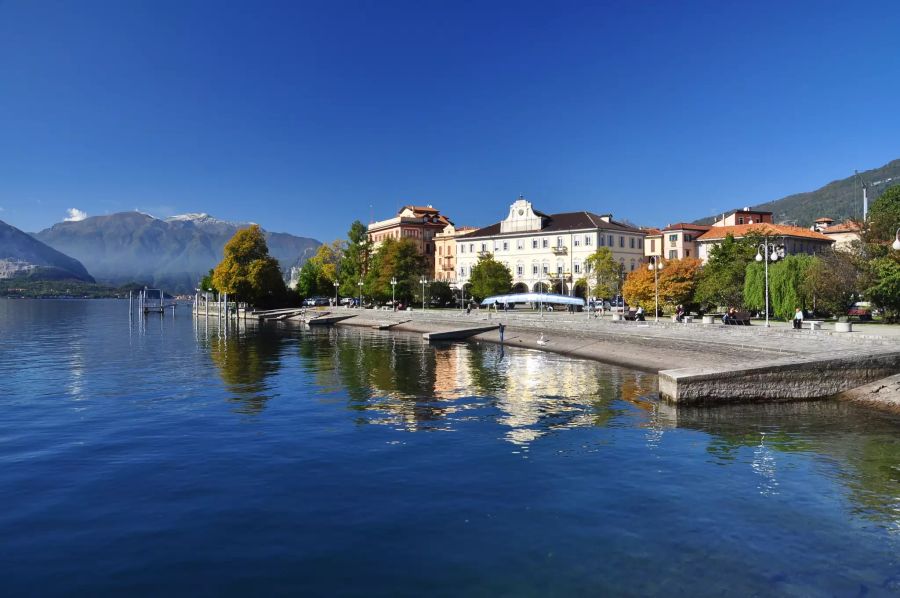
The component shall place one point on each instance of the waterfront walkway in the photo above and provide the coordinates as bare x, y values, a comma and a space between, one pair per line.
696, 362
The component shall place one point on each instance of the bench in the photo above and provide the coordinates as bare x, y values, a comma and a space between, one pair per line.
741, 318
813, 324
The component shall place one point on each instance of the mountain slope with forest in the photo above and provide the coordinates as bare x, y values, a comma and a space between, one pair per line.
840, 200
172, 254
22, 256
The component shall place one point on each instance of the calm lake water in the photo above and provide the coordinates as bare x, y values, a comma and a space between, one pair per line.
168, 458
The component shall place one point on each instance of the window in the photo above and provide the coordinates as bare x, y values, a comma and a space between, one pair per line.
440, 250
673, 254
483, 247
602, 240
519, 244
520, 270
544, 243
559, 242
587, 239
640, 243
534, 269
546, 269
462, 248
631, 242
462, 271
471, 247
688, 238
652, 245
632, 265
621, 241
687, 253
577, 242
559, 270
534, 243
740, 219
610, 240
577, 268
505, 246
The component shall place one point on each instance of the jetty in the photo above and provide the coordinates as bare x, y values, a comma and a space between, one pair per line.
150, 301
697, 362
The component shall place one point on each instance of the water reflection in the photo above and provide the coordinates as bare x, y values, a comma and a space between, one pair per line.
245, 361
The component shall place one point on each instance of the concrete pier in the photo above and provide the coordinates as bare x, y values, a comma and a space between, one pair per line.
697, 363
458, 333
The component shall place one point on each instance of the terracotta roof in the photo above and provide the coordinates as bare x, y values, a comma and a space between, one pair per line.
651, 231
427, 209
563, 222
824, 220
772, 230
844, 227
687, 226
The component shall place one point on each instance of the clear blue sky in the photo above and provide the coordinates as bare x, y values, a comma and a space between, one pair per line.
300, 116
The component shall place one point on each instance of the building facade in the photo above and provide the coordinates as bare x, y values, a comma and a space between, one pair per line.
793, 239
445, 252
844, 234
744, 216
679, 240
549, 250
421, 224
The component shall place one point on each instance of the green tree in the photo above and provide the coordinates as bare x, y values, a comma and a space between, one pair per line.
833, 282
884, 287
489, 277
248, 272
206, 283
603, 273
721, 281
354, 259
398, 259
440, 293
882, 223
881, 276
312, 282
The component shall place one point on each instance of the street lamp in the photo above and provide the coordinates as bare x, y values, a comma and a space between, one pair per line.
336, 300
656, 265
360, 283
896, 243
423, 281
762, 254
393, 293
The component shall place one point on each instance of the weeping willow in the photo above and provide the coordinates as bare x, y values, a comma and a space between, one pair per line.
787, 286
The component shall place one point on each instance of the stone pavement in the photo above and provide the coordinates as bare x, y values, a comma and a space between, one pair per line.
740, 361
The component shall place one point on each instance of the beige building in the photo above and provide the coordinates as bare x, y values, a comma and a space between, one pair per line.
421, 224
844, 234
445, 251
680, 240
794, 239
653, 242
549, 249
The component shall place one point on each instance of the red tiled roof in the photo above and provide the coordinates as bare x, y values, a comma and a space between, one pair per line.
687, 226
772, 230
844, 227
651, 231
427, 209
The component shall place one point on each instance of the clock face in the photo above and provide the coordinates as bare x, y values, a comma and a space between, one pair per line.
521, 212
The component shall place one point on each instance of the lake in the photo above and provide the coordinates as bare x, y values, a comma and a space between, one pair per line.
164, 456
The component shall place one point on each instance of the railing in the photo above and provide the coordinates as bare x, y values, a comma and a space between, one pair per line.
560, 250
485, 253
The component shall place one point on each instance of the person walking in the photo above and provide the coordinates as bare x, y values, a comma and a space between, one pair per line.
798, 319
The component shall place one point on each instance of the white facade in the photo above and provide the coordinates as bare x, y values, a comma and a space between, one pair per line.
550, 249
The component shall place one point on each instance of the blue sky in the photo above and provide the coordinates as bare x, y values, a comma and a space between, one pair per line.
305, 116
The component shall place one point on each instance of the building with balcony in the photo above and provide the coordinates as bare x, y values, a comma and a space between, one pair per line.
549, 250
445, 251
421, 224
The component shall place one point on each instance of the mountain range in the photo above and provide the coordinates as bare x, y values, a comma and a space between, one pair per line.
22, 256
840, 200
172, 253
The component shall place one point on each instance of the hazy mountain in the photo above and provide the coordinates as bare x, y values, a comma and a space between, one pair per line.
22, 256
840, 199
172, 254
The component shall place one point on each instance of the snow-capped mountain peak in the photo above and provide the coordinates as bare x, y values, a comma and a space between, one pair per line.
204, 218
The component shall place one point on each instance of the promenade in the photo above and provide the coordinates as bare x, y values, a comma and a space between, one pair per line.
697, 363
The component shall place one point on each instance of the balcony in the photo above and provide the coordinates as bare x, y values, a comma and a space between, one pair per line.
559, 250
485, 253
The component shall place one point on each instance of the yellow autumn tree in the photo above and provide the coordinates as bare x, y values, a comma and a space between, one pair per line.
247, 271
677, 281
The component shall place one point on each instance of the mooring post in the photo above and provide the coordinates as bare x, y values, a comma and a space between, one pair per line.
225, 296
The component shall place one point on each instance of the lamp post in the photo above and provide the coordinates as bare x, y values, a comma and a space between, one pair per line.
423, 281
762, 255
394, 293
360, 284
656, 265
336, 285
541, 288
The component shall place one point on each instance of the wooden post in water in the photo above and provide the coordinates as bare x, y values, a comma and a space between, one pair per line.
225, 304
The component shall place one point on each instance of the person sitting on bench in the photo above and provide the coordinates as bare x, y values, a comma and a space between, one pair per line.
798, 319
